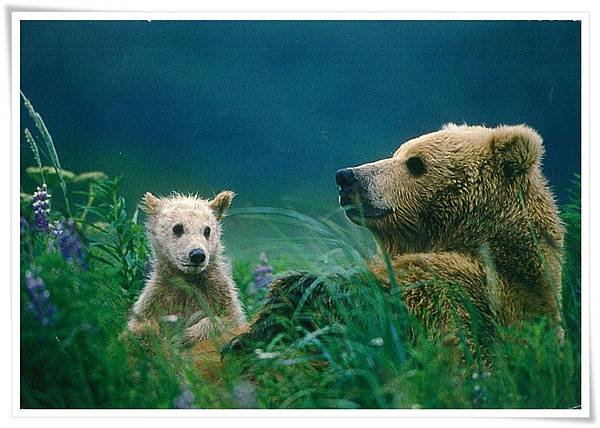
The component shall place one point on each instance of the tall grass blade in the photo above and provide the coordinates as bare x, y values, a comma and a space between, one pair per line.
47, 138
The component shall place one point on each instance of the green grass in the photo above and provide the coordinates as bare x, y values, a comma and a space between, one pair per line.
344, 342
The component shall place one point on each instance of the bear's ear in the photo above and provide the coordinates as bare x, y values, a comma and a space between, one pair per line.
221, 203
150, 204
517, 148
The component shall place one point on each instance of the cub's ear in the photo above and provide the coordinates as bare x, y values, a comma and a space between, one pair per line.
221, 203
150, 203
518, 148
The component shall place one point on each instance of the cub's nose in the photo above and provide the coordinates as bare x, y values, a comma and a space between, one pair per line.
197, 256
345, 177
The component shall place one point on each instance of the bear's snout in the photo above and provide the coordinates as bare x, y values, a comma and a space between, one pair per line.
346, 179
197, 256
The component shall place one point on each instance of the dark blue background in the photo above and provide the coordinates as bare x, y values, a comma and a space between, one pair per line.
270, 109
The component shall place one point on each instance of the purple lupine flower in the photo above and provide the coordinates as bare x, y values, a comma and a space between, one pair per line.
185, 400
69, 241
263, 274
39, 299
41, 208
244, 395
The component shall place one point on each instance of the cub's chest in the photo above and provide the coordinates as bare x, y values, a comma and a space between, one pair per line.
181, 300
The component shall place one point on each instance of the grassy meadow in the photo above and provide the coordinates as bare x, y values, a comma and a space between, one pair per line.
341, 341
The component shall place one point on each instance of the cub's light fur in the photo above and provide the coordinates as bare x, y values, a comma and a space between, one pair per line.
201, 294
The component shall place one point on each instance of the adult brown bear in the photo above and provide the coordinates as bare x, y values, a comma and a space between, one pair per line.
466, 205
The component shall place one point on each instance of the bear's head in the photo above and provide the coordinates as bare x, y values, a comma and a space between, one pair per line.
185, 231
453, 189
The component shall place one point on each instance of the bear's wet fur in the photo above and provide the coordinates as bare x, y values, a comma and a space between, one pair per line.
464, 212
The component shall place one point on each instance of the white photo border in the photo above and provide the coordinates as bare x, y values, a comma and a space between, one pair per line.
583, 17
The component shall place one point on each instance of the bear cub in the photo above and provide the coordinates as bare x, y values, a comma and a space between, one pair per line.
191, 279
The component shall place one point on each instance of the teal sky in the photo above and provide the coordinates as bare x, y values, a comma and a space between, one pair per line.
271, 109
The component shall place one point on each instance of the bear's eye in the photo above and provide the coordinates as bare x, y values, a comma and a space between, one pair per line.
178, 229
416, 166
206, 232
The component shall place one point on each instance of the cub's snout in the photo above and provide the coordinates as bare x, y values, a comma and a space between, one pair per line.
197, 256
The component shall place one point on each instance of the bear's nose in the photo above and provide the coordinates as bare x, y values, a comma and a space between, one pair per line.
197, 256
345, 177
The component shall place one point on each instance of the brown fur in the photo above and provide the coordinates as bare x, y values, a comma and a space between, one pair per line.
206, 354
481, 215
204, 296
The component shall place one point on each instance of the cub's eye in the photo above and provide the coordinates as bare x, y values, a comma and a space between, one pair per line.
178, 229
416, 166
206, 232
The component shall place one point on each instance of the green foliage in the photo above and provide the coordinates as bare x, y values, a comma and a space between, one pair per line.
117, 239
351, 349
82, 360
343, 341
572, 268
544, 373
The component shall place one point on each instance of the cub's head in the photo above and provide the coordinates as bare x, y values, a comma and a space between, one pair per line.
440, 184
185, 231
